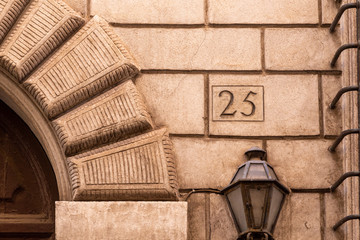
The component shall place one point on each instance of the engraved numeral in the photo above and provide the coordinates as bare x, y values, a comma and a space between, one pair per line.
253, 107
224, 113
231, 101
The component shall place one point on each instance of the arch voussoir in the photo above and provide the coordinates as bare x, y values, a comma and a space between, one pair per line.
85, 90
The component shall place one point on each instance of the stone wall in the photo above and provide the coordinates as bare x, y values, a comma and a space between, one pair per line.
188, 48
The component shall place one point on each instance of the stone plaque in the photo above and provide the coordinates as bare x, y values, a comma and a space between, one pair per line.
237, 103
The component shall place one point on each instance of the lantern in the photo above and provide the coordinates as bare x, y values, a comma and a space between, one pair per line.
255, 197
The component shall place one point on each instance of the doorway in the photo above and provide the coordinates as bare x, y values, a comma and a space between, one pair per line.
28, 188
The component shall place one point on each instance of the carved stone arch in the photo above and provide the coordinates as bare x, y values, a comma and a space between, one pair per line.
17, 99
80, 76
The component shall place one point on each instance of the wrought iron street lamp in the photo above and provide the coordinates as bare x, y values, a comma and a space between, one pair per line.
255, 197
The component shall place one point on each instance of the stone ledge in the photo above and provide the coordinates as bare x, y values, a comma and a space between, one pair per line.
121, 220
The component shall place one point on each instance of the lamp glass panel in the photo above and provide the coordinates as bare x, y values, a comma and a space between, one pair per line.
272, 173
239, 174
237, 205
275, 205
258, 201
257, 171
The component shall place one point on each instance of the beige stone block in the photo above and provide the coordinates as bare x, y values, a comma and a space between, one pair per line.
334, 211
283, 225
121, 220
209, 163
290, 105
329, 10
192, 49
331, 117
305, 217
263, 11
308, 160
150, 11
300, 48
175, 100
78, 5
221, 222
197, 217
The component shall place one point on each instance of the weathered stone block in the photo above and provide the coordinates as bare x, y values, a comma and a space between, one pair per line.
290, 105
334, 211
78, 5
30, 41
329, 10
263, 11
139, 168
175, 100
121, 220
308, 160
197, 217
209, 163
191, 49
305, 217
300, 48
93, 60
283, 225
221, 222
10, 10
331, 117
150, 11
117, 114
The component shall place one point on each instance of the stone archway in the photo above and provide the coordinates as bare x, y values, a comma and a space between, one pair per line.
80, 77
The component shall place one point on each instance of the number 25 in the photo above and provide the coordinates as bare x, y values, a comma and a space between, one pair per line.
225, 113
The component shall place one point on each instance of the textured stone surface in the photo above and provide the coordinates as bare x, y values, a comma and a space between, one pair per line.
221, 222
332, 117
209, 163
175, 100
283, 224
150, 11
30, 41
300, 48
290, 106
117, 114
9, 12
196, 217
329, 10
121, 220
334, 211
263, 11
211, 49
91, 61
139, 168
305, 217
78, 5
308, 160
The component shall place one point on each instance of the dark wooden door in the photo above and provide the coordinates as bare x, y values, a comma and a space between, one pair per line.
28, 189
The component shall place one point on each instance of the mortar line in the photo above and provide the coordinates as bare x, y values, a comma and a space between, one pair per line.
207, 217
262, 41
247, 72
265, 138
321, 109
206, 105
322, 216
212, 25
206, 12
88, 9
320, 12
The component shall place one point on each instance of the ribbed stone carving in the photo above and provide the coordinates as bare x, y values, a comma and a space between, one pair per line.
91, 61
117, 114
142, 167
43, 27
9, 12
